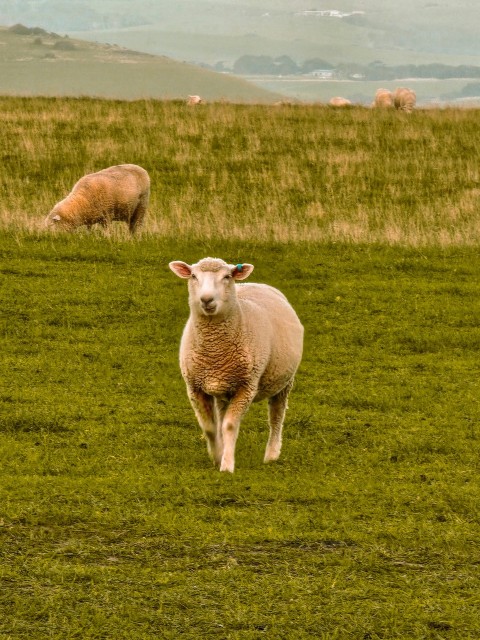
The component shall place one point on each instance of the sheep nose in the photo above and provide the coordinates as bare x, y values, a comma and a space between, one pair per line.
206, 300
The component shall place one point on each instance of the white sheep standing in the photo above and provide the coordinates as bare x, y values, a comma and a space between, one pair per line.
120, 193
194, 100
383, 99
404, 99
242, 343
338, 101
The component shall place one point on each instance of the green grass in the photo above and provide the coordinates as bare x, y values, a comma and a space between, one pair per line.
113, 522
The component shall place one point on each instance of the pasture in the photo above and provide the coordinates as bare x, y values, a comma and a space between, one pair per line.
113, 523
281, 173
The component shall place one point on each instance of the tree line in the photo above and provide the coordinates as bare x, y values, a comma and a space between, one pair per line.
377, 70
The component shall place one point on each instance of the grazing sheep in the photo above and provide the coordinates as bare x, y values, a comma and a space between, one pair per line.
404, 99
383, 99
193, 100
242, 343
339, 102
116, 193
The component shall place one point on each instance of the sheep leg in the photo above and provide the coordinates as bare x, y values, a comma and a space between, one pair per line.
137, 217
237, 408
277, 406
220, 406
203, 406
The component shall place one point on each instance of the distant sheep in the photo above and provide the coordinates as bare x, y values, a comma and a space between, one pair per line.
242, 343
339, 102
404, 99
383, 99
120, 193
193, 100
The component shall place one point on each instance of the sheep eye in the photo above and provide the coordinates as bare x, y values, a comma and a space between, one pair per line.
193, 276
227, 278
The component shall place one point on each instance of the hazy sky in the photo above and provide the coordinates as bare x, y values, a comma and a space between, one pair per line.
212, 30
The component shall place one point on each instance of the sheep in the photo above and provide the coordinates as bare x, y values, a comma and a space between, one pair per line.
194, 100
383, 99
339, 102
242, 343
120, 192
404, 99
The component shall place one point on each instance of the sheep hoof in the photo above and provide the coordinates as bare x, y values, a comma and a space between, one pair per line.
269, 459
227, 467
271, 455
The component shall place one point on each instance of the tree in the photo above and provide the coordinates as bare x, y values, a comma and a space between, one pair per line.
285, 66
258, 65
312, 64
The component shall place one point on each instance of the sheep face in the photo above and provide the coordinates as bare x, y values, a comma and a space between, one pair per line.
56, 221
211, 285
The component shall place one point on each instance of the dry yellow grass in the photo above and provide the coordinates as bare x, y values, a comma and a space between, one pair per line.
284, 174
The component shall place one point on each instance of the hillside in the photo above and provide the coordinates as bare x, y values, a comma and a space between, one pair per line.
34, 61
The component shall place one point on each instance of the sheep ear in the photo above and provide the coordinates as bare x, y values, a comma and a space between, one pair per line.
181, 269
242, 271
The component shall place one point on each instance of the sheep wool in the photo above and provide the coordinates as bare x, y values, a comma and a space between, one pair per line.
242, 343
383, 99
404, 99
338, 101
120, 193
194, 100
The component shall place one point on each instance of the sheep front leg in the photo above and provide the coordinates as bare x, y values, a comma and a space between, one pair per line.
138, 216
277, 406
203, 406
231, 425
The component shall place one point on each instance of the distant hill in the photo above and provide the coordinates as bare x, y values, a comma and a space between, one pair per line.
34, 61
210, 31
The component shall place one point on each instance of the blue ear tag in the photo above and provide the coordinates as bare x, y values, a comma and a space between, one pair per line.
239, 268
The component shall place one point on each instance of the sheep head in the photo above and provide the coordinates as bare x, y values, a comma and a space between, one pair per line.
57, 221
211, 285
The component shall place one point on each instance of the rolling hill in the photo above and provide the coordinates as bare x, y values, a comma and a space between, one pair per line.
34, 61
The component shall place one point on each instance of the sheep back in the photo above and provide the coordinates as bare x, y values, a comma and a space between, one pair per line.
272, 322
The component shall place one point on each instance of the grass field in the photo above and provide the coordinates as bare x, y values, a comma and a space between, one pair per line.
113, 523
281, 173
